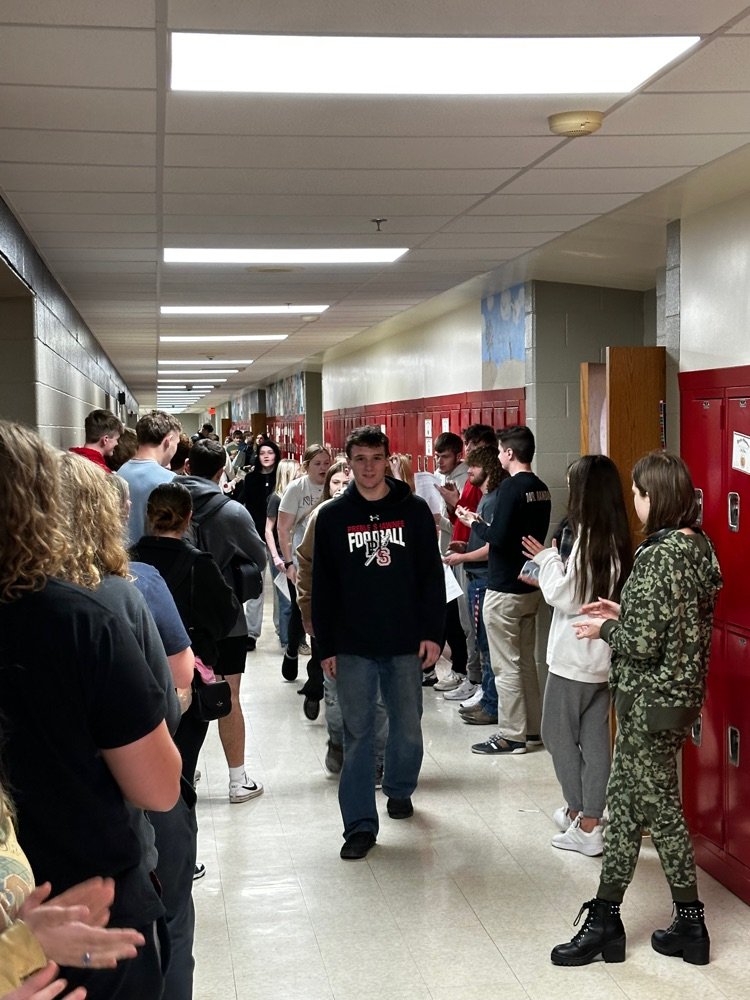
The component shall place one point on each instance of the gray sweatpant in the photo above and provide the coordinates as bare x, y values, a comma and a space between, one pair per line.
575, 730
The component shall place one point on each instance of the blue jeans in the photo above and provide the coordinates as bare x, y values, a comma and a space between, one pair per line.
285, 611
477, 590
357, 686
335, 724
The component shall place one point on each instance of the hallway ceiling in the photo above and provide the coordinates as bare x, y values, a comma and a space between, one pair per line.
105, 166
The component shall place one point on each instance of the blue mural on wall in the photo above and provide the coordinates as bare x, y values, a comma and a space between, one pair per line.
503, 320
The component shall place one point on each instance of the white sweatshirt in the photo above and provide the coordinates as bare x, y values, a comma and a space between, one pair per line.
577, 659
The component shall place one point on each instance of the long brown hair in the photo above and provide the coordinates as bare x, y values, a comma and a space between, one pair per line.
596, 512
665, 479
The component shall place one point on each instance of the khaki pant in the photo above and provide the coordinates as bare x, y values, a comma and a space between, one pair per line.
510, 622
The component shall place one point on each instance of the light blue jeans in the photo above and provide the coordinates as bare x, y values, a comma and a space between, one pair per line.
400, 679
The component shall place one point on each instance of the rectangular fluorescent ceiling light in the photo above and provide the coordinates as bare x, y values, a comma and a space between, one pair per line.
230, 338
181, 381
342, 255
316, 64
287, 310
199, 371
206, 361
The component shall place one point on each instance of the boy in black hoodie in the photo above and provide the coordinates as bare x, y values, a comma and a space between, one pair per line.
378, 610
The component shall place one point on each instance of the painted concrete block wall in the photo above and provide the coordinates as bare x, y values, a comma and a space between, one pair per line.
715, 278
72, 373
569, 324
436, 358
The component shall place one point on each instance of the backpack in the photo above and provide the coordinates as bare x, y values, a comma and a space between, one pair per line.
245, 576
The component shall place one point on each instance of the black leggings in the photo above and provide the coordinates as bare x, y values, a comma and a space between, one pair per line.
296, 629
455, 637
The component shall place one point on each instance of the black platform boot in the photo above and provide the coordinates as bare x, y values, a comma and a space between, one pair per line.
686, 936
602, 934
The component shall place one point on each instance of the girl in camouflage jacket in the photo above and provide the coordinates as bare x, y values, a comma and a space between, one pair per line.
660, 639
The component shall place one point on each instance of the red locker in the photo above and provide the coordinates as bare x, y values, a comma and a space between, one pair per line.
715, 436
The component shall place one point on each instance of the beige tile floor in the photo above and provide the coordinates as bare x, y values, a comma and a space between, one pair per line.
462, 902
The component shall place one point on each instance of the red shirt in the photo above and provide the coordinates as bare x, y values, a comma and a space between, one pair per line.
470, 497
92, 455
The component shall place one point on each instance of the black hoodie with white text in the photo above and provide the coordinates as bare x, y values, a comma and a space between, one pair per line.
378, 585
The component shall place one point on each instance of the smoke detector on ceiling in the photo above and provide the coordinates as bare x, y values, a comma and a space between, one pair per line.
575, 123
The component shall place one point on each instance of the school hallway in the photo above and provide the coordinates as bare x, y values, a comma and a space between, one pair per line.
462, 902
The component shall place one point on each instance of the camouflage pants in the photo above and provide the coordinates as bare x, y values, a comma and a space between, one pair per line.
643, 794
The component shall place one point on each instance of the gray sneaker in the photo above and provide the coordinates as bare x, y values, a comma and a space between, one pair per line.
334, 758
463, 692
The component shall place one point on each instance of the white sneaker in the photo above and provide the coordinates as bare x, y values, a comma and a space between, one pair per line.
475, 698
562, 818
464, 691
241, 791
450, 681
576, 839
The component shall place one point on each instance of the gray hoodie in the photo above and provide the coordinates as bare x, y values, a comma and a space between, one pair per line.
229, 532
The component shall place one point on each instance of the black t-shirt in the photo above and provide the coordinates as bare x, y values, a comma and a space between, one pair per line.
73, 681
523, 507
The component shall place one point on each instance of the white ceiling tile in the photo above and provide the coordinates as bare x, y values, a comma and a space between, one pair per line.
354, 152
608, 180
112, 13
480, 17
78, 108
722, 64
64, 222
58, 177
368, 206
447, 241
672, 114
52, 240
334, 182
516, 223
79, 255
225, 230
118, 204
77, 57
645, 150
228, 114
540, 204
46, 146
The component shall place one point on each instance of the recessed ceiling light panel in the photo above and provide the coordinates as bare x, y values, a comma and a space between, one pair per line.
316, 64
222, 339
287, 310
340, 255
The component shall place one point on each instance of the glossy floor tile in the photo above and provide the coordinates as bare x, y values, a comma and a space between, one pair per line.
462, 902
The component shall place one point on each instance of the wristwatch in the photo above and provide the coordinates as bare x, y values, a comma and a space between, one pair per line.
288, 564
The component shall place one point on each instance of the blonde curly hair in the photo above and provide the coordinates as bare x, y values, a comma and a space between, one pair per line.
93, 524
32, 545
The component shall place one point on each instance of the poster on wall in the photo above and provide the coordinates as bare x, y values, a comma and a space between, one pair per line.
504, 338
741, 453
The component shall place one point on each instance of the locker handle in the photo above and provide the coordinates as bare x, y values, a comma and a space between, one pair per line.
699, 501
733, 511
733, 745
696, 731
419, 463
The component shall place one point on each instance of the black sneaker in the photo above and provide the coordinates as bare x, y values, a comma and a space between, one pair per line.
311, 708
200, 871
251, 643
400, 808
498, 744
429, 679
289, 667
334, 758
357, 846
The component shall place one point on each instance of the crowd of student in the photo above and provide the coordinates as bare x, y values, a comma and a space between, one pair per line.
147, 585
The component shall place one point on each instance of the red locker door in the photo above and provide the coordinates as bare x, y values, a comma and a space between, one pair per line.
736, 514
737, 745
498, 416
703, 756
